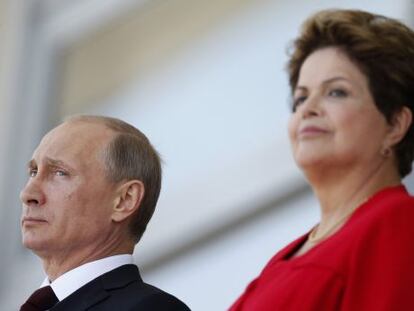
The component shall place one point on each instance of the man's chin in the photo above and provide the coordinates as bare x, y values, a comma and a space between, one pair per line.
35, 245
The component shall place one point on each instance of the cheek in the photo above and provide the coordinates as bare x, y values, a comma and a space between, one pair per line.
66, 205
92, 202
292, 128
354, 125
360, 134
346, 124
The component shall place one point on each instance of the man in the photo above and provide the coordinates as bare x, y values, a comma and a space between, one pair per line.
93, 186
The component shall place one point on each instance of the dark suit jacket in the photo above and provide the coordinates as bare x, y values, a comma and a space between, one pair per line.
121, 289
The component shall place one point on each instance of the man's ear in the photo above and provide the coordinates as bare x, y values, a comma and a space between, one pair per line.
400, 124
129, 197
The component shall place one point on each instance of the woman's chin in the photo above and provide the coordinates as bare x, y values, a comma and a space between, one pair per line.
318, 167
311, 161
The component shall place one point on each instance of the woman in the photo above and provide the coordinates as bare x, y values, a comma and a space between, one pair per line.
352, 134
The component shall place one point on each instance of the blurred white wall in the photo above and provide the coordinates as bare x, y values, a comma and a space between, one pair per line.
205, 81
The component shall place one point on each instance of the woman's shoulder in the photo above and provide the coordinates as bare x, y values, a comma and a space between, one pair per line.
389, 214
386, 205
396, 194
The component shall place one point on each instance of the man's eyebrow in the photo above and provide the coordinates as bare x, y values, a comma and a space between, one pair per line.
31, 163
50, 162
55, 162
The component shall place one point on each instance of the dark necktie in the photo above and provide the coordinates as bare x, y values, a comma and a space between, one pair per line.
42, 299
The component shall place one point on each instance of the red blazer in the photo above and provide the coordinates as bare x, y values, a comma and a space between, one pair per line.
367, 265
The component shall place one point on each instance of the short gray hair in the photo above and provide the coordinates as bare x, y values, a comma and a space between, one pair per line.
129, 156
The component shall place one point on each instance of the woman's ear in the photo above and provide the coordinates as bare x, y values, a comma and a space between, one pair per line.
400, 124
129, 199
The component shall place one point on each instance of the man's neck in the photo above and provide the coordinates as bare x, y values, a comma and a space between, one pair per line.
57, 264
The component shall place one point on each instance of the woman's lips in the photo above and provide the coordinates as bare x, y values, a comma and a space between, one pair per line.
312, 131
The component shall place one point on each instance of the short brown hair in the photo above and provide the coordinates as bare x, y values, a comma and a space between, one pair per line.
129, 156
381, 47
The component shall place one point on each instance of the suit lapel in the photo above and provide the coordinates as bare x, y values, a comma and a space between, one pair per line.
99, 289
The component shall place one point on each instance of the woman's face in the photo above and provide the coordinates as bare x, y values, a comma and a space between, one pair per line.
335, 122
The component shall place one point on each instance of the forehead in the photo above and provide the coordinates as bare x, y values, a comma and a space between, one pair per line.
74, 141
329, 63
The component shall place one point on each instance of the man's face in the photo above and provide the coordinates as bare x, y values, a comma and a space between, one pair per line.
67, 201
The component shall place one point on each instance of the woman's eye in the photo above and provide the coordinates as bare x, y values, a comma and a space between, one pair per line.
298, 101
338, 93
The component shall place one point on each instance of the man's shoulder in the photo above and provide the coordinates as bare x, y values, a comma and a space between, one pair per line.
125, 285
148, 297
121, 289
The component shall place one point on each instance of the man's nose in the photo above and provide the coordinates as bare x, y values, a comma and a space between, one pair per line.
32, 194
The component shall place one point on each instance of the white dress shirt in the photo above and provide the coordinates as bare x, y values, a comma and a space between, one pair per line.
74, 279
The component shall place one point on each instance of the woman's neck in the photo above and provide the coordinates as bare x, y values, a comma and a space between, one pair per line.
340, 192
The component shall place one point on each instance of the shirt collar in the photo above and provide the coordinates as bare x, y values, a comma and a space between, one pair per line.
74, 279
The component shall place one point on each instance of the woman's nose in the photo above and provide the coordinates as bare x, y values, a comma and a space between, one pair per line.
311, 107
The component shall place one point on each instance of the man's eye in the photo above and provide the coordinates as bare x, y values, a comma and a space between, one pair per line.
338, 93
60, 173
32, 172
